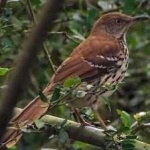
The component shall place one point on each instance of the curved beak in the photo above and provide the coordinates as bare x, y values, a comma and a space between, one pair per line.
140, 18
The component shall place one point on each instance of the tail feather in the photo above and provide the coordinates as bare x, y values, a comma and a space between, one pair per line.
34, 110
31, 112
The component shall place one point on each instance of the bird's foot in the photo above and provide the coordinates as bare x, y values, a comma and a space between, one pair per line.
84, 123
80, 119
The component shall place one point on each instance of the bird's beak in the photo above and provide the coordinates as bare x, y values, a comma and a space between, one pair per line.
140, 18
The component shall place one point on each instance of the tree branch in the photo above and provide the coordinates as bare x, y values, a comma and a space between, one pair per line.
48, 56
28, 52
87, 134
2, 5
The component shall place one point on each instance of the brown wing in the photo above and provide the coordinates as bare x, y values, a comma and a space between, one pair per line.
92, 59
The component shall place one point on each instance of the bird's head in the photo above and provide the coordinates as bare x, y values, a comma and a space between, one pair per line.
116, 24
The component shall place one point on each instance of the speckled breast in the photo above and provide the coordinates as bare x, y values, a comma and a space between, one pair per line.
110, 81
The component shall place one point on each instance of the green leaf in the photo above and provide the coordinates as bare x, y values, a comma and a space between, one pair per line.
79, 37
26, 130
63, 136
17, 24
36, 3
12, 148
72, 82
3, 71
123, 129
125, 118
43, 97
131, 137
129, 6
39, 124
92, 16
56, 94
13, 1
129, 144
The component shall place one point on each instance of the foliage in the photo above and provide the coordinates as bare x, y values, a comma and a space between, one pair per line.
73, 25
3, 71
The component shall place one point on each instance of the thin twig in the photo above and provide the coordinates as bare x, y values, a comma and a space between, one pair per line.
66, 35
44, 46
87, 134
26, 58
49, 58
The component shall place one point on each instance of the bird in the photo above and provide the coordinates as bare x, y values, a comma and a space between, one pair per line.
100, 61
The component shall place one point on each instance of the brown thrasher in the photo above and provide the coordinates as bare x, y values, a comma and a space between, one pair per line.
100, 62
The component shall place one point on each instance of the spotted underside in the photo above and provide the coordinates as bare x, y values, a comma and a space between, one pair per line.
101, 67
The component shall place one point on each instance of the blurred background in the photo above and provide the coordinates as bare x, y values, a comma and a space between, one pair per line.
72, 26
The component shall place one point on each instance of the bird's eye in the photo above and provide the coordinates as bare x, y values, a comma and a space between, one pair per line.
118, 21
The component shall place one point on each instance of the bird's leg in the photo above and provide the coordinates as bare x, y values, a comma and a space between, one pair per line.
74, 115
81, 120
99, 119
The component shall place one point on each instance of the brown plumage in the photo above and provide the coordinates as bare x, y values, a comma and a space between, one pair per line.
99, 61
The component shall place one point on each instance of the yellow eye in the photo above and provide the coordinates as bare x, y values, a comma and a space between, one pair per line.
118, 21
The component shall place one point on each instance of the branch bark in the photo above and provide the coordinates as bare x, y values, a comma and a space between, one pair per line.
29, 50
87, 134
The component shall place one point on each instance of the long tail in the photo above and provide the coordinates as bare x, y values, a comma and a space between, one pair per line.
34, 110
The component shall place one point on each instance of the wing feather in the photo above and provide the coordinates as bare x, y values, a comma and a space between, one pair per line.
92, 59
